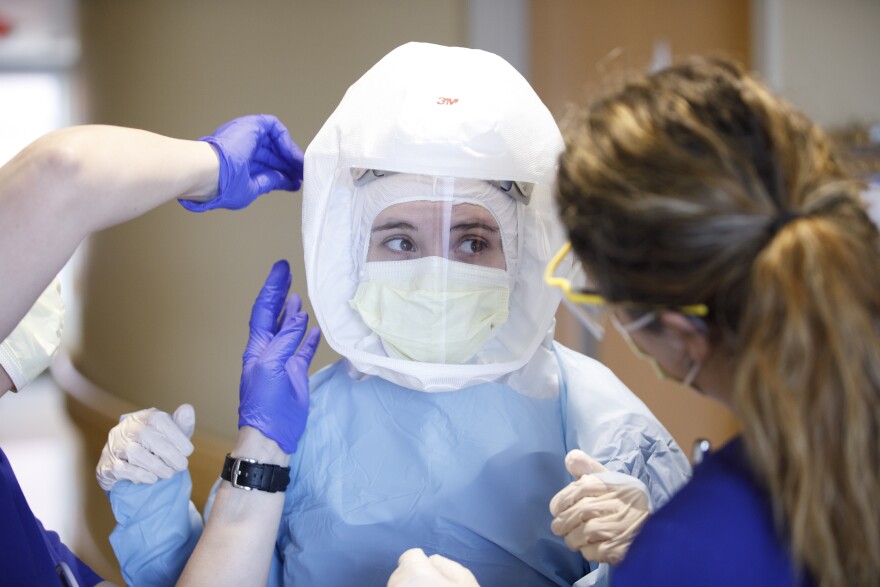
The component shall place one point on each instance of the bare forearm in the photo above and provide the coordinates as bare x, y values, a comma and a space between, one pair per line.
237, 545
78, 180
5, 382
117, 174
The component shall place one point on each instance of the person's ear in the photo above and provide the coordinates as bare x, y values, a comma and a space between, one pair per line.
693, 335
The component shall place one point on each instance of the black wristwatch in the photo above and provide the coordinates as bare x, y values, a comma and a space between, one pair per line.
248, 474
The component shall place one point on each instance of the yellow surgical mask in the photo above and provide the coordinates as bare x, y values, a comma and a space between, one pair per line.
432, 310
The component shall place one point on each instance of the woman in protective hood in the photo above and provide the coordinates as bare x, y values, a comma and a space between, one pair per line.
427, 225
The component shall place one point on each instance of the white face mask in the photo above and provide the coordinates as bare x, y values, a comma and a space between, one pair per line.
432, 310
29, 349
626, 329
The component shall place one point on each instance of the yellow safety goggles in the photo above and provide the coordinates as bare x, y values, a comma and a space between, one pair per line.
583, 299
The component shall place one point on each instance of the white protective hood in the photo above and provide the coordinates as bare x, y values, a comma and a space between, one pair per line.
443, 111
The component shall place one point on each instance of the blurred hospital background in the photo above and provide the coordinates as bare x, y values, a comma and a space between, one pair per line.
158, 307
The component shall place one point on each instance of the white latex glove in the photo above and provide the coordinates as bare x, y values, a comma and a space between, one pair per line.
414, 569
147, 446
29, 349
600, 512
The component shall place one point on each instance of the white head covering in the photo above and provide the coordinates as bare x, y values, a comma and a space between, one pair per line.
440, 111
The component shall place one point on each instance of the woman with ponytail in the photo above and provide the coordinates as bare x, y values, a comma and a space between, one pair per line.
729, 246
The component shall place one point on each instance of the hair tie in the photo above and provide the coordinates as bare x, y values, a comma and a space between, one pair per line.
780, 221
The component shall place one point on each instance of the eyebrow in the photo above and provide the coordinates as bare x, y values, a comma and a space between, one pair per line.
472, 225
394, 225
398, 224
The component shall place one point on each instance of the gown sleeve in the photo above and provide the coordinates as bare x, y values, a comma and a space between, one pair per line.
157, 528
606, 420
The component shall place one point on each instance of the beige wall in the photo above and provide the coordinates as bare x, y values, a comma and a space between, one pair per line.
576, 43
822, 56
169, 295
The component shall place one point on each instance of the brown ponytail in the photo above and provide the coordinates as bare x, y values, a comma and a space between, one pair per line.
808, 389
698, 185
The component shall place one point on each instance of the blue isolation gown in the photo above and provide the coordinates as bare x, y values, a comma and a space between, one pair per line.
468, 474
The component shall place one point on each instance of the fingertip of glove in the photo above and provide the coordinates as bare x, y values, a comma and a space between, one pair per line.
412, 555
554, 506
293, 307
310, 343
580, 463
185, 418
280, 270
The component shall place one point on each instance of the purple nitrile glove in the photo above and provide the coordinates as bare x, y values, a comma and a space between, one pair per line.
256, 156
274, 391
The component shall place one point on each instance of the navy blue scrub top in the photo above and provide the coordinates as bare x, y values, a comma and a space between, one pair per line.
29, 554
718, 530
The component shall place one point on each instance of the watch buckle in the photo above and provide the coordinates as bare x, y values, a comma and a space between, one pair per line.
236, 468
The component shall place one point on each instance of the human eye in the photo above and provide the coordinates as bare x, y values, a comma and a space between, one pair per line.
399, 244
472, 245
478, 247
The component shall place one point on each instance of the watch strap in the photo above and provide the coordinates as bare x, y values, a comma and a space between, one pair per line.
248, 474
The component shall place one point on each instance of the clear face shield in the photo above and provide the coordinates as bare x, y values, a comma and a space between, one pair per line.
435, 256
